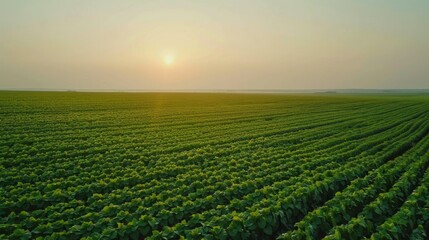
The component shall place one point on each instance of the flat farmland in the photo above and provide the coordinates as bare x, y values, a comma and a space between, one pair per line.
77, 165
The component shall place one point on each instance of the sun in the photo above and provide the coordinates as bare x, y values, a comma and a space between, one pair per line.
169, 59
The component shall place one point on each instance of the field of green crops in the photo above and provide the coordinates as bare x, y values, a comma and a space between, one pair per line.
213, 166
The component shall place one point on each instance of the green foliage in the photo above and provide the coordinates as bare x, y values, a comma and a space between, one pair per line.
213, 166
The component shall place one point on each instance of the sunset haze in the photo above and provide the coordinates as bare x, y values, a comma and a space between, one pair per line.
214, 44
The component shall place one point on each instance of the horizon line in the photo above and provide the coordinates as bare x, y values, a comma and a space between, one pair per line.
316, 90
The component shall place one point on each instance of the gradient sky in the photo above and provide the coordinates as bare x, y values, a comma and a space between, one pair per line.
222, 44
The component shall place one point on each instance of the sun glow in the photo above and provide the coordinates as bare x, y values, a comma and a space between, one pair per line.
169, 59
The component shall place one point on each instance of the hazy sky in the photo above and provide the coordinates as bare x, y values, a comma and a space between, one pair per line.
138, 44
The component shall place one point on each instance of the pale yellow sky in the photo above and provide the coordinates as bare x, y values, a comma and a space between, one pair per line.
214, 44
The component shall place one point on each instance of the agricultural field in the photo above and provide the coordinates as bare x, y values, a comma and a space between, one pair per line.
213, 166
